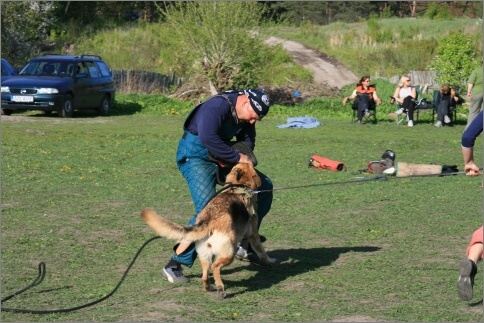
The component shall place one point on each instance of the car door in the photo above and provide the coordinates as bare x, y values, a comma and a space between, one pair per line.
95, 91
82, 86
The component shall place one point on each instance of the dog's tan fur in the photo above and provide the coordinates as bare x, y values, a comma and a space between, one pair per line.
221, 225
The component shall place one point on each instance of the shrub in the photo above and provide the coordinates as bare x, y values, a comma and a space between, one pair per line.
454, 60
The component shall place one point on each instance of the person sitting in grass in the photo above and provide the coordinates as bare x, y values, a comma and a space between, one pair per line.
468, 266
366, 98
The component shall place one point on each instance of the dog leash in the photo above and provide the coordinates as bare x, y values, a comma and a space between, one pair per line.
236, 188
358, 180
40, 278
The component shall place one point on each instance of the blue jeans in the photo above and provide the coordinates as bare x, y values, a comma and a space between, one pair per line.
200, 173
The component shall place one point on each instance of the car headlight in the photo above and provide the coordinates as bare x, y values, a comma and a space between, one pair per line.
5, 89
47, 90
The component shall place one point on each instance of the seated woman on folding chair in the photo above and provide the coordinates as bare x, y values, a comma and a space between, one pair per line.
448, 101
366, 98
405, 95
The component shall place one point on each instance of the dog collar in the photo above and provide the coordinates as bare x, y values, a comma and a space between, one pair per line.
247, 196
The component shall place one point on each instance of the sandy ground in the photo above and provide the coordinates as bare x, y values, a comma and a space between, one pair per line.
324, 68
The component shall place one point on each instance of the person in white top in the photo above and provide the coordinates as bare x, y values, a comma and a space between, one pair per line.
405, 94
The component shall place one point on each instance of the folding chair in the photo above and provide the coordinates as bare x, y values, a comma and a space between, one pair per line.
435, 103
371, 109
421, 104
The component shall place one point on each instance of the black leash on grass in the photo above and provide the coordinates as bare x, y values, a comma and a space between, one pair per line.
41, 276
42, 269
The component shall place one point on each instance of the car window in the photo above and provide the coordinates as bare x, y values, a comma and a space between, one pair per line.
93, 70
81, 68
66, 69
103, 68
32, 68
4, 70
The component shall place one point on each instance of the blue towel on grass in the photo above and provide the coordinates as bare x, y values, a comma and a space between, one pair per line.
300, 122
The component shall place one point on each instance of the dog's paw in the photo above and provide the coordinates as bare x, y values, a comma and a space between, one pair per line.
221, 293
271, 260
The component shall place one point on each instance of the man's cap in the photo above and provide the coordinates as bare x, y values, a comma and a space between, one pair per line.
259, 101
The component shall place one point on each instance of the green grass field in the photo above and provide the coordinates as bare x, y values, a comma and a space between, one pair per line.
383, 250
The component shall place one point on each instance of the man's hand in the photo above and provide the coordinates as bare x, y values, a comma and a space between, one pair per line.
245, 159
471, 169
345, 100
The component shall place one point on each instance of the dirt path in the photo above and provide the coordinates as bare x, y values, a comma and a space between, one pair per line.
324, 68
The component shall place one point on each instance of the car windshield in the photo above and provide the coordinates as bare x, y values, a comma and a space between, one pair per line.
48, 68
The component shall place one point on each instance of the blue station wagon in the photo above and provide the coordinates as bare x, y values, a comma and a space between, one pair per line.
61, 83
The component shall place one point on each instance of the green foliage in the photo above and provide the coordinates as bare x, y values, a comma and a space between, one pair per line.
155, 104
149, 47
223, 39
374, 30
454, 60
280, 69
386, 12
413, 42
436, 11
25, 27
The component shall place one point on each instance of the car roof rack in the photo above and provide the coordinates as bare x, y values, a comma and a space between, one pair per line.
91, 56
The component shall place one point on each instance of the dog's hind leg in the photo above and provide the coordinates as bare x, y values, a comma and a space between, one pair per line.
205, 279
217, 266
255, 243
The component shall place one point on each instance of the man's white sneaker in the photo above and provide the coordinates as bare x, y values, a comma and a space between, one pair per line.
438, 124
174, 275
410, 123
446, 119
399, 111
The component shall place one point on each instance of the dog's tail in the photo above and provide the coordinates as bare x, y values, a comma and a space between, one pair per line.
171, 230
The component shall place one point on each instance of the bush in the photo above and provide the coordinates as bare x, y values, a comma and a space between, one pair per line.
454, 60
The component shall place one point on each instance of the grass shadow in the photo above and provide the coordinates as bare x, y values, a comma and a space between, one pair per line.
119, 109
291, 262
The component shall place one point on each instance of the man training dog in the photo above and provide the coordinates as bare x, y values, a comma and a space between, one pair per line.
205, 154
228, 218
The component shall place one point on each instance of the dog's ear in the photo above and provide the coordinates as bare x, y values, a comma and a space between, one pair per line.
239, 173
257, 180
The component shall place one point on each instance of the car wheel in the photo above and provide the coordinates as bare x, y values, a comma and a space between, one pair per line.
104, 107
67, 109
6, 112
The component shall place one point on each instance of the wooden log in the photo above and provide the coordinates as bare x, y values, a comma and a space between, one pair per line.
409, 169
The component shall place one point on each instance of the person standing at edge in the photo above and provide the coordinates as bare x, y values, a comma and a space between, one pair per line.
474, 93
208, 130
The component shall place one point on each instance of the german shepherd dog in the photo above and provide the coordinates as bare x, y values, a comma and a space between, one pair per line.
228, 218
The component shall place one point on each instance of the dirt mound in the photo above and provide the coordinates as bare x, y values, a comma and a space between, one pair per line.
197, 89
299, 92
329, 76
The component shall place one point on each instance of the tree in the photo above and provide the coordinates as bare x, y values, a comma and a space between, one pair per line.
25, 28
223, 39
455, 58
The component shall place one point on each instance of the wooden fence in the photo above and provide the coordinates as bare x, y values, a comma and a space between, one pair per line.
144, 82
426, 80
